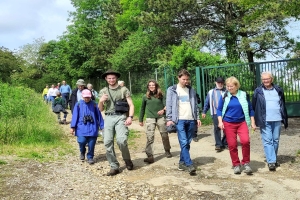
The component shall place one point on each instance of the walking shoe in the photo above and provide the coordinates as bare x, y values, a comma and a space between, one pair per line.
195, 139
277, 164
237, 169
149, 160
168, 154
113, 172
218, 149
272, 166
182, 167
91, 161
191, 170
129, 164
248, 169
82, 156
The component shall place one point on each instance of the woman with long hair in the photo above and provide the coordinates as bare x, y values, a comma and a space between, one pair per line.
153, 104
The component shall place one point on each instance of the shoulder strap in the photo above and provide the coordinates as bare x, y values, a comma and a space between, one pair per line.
110, 96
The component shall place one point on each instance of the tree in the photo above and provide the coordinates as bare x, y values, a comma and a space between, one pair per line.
9, 64
241, 28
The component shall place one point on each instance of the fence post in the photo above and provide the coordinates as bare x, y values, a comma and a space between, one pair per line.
129, 79
198, 83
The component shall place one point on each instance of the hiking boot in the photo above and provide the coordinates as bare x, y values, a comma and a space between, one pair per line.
113, 172
182, 167
248, 169
149, 160
191, 170
272, 167
168, 154
237, 169
82, 156
129, 164
218, 149
277, 164
91, 161
195, 139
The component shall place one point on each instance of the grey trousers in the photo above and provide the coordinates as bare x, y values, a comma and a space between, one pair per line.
151, 124
114, 126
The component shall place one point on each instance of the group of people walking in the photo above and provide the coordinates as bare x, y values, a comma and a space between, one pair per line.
232, 112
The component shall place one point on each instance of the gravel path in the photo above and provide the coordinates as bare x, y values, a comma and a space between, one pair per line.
71, 178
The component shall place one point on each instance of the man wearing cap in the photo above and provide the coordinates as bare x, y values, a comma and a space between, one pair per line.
211, 103
76, 93
116, 123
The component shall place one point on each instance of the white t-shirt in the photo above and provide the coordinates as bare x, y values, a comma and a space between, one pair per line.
185, 110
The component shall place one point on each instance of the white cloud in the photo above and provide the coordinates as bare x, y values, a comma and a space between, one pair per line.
22, 21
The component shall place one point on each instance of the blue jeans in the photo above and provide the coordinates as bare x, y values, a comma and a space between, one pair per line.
185, 132
65, 96
220, 141
91, 141
270, 138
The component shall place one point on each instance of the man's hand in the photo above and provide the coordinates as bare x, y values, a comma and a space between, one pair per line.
104, 98
169, 123
203, 115
128, 121
72, 131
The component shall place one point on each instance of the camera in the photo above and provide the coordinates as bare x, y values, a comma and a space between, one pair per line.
88, 118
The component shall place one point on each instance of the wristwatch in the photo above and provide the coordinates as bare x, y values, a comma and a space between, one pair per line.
131, 117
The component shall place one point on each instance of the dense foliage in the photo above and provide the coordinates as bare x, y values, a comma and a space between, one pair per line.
142, 35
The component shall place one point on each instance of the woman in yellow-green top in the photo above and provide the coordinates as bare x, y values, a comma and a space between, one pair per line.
153, 103
45, 92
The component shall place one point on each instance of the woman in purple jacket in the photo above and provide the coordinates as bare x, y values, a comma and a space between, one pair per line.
86, 122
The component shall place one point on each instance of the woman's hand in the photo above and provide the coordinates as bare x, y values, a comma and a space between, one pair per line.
221, 125
72, 131
161, 112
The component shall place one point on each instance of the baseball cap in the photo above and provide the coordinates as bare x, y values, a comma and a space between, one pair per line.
86, 93
220, 80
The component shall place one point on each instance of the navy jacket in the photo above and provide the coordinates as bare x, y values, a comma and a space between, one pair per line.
259, 106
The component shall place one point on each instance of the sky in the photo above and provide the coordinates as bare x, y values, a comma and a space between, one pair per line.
23, 21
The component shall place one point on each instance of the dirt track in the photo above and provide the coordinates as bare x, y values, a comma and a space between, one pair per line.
72, 179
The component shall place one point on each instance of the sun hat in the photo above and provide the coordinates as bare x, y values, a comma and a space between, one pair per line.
220, 80
110, 71
86, 93
80, 82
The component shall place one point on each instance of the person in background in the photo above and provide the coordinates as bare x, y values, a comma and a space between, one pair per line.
59, 105
269, 105
121, 83
211, 103
85, 124
76, 93
153, 102
44, 94
94, 92
52, 94
57, 86
235, 114
116, 122
182, 110
65, 91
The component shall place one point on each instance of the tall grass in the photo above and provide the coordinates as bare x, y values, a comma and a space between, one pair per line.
27, 126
